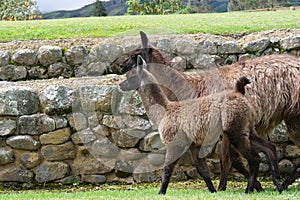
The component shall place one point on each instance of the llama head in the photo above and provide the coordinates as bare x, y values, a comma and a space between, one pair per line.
143, 52
134, 77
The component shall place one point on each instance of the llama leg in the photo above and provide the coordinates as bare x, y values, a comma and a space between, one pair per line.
293, 129
225, 163
242, 143
270, 150
292, 177
202, 167
238, 164
173, 154
167, 172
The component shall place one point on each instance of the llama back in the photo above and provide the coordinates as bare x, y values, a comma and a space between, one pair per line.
274, 91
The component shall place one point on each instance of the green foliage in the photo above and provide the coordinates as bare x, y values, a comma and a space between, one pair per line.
237, 5
18, 10
200, 6
99, 9
154, 7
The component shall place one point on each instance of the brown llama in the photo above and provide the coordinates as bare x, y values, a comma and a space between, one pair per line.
274, 94
194, 123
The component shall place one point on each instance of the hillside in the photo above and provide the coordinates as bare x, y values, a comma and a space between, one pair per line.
118, 7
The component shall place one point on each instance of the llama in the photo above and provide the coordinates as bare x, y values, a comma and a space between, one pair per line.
274, 94
182, 128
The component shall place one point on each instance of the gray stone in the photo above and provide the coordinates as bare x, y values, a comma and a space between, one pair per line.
131, 104
156, 159
76, 55
4, 57
290, 43
60, 122
59, 152
165, 45
127, 137
126, 166
275, 40
60, 69
83, 137
6, 155
230, 47
207, 47
292, 151
184, 47
58, 99
93, 120
56, 137
25, 57
7, 127
97, 69
70, 180
257, 45
144, 174
204, 61
230, 59
285, 166
35, 124
245, 57
12, 73
77, 121
179, 63
48, 55
152, 143
263, 167
37, 72
279, 134
101, 131
126, 122
50, 171
103, 147
24, 142
95, 179
30, 160
89, 165
16, 174
96, 98
105, 53
132, 154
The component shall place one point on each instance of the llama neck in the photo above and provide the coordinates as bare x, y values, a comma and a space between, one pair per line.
154, 101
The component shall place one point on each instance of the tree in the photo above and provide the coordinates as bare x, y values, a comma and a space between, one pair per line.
236, 5
154, 7
19, 10
199, 6
99, 9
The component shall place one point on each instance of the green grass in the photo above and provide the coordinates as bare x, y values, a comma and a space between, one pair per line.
180, 190
215, 23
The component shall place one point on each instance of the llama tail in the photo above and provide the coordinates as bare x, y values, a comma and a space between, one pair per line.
241, 83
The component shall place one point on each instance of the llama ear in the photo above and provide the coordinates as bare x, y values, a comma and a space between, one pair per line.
141, 64
145, 40
146, 46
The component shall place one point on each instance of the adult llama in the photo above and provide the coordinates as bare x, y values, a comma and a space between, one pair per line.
274, 93
192, 124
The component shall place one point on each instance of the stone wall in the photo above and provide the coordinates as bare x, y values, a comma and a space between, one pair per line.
86, 129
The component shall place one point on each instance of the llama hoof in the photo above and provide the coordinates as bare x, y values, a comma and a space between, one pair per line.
161, 193
279, 188
213, 190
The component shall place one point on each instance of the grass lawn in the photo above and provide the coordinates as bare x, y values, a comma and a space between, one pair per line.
180, 190
215, 23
